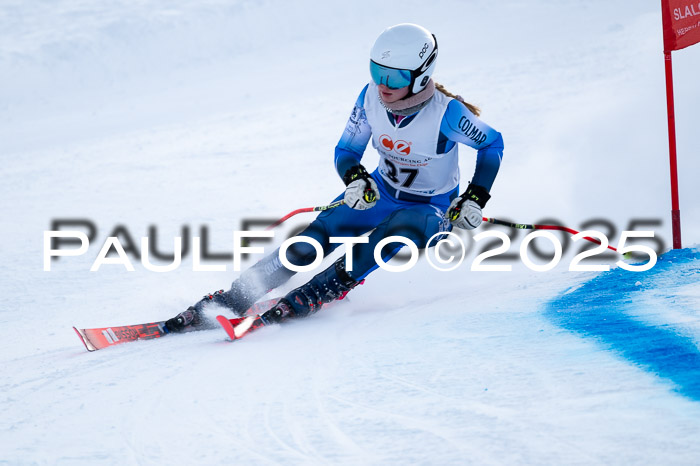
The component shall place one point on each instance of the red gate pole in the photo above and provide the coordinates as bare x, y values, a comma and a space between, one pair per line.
675, 208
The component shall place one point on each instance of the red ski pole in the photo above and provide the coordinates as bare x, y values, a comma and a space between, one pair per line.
306, 209
523, 226
495, 221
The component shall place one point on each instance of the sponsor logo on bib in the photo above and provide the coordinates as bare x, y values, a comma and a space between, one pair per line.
399, 147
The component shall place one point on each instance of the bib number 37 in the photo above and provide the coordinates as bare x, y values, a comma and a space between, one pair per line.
393, 174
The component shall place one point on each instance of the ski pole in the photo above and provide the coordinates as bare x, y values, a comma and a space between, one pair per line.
320, 208
523, 226
495, 221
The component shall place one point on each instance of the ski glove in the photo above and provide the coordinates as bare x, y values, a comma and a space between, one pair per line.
465, 211
361, 190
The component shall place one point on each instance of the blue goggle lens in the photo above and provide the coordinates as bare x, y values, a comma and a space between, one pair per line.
392, 78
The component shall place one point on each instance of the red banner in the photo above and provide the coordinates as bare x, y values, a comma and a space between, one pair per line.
681, 20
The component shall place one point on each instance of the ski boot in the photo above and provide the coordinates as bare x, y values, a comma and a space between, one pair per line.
254, 283
244, 293
329, 285
193, 316
189, 318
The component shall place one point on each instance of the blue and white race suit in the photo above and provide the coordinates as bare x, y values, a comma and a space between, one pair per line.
417, 176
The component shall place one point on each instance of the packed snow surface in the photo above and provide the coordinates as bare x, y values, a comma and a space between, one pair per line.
167, 119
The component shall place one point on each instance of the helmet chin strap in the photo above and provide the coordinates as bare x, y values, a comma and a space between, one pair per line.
411, 103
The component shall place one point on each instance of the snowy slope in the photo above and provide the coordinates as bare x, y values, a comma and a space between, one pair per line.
179, 114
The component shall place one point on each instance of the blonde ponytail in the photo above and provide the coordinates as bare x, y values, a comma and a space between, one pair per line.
472, 108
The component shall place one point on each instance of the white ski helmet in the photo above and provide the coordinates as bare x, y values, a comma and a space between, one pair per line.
403, 55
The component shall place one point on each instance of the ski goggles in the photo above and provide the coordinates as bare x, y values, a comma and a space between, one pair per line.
393, 78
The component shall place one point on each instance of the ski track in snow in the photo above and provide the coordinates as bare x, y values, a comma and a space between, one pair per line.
183, 116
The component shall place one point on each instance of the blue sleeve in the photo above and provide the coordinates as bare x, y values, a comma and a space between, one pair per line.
353, 142
461, 125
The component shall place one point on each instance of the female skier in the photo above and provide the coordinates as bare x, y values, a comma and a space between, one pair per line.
415, 125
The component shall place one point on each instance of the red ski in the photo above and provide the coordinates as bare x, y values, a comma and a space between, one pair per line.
236, 328
99, 338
